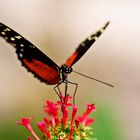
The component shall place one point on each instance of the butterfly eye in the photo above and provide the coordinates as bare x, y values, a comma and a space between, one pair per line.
68, 70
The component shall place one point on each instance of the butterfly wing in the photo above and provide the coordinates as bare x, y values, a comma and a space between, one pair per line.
31, 57
84, 46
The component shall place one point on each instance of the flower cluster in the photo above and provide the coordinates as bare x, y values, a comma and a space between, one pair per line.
66, 127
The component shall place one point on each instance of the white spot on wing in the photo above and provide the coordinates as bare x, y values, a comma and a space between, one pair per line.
3, 33
21, 45
18, 37
7, 29
20, 55
12, 38
93, 38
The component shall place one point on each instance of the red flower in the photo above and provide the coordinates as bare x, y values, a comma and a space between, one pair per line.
73, 114
42, 126
47, 121
90, 107
62, 128
71, 133
64, 103
84, 118
26, 122
65, 100
51, 108
65, 115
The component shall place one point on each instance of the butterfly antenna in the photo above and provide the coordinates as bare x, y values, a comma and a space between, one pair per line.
94, 79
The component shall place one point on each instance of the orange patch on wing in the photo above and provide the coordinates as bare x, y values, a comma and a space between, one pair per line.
70, 61
43, 71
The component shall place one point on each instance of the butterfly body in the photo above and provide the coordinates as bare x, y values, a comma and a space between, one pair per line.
64, 71
39, 64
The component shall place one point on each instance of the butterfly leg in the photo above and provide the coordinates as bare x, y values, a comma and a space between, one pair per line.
66, 87
58, 92
76, 86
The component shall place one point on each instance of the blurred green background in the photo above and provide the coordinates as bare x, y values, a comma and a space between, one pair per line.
57, 27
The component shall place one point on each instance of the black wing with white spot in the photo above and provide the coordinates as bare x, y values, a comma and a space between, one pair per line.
31, 57
84, 46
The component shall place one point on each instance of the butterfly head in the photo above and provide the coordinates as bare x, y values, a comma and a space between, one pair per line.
66, 69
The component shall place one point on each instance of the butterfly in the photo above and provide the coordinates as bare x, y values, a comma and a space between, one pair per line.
39, 64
